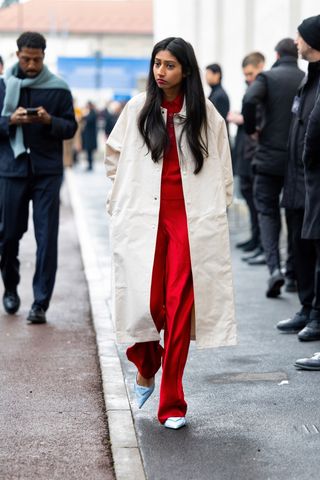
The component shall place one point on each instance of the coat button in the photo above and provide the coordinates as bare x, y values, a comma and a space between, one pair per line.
156, 198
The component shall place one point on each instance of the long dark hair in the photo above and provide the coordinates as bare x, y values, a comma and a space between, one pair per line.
150, 121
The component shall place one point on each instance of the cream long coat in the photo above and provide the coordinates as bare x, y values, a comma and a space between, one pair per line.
134, 208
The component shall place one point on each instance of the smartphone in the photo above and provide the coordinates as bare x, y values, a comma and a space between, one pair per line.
32, 111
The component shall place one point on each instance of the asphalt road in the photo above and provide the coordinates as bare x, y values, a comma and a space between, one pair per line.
251, 414
52, 413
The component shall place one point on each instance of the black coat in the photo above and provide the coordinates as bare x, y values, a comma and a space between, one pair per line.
243, 153
245, 147
220, 100
89, 133
274, 90
294, 184
311, 160
44, 141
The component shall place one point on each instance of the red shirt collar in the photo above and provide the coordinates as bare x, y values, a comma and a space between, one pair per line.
175, 105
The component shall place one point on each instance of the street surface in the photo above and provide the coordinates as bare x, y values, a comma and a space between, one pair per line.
251, 414
52, 414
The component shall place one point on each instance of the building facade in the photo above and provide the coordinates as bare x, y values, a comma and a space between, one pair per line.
104, 39
224, 31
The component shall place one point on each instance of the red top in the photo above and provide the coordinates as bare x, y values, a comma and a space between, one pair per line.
171, 185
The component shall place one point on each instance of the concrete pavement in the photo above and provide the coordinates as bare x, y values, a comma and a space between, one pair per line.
251, 415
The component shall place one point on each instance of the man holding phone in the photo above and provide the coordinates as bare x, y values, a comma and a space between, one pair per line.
36, 116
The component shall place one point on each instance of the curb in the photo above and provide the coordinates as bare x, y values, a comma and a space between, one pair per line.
124, 446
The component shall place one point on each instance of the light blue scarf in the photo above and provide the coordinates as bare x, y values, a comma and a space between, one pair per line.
45, 79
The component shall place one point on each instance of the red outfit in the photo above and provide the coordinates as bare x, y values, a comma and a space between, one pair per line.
171, 298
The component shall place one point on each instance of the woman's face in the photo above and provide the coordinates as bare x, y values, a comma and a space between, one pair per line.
167, 72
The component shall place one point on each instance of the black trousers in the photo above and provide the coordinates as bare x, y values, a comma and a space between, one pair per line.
290, 267
266, 193
246, 188
15, 196
316, 302
90, 158
307, 266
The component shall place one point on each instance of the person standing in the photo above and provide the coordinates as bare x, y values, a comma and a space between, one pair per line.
243, 153
169, 159
301, 190
36, 116
218, 96
311, 220
274, 90
89, 133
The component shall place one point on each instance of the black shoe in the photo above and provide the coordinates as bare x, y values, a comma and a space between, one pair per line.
275, 282
36, 315
258, 251
11, 301
294, 324
311, 331
291, 285
258, 260
243, 244
251, 246
312, 363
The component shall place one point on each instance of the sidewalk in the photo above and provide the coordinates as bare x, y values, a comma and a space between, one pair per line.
251, 415
52, 413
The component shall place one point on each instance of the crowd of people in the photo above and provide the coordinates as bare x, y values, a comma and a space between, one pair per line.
276, 156
90, 120
170, 242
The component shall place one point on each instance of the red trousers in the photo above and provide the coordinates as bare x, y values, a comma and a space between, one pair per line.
171, 303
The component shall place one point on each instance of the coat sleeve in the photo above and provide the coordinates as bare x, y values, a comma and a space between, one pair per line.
4, 121
255, 95
225, 157
311, 152
64, 125
114, 144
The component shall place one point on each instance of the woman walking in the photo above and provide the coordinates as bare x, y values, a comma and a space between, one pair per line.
168, 157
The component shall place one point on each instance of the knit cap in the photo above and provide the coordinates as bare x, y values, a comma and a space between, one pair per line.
309, 30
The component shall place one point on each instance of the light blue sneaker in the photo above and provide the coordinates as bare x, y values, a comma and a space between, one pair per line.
175, 422
142, 393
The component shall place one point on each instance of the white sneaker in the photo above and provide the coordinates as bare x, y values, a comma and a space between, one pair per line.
175, 422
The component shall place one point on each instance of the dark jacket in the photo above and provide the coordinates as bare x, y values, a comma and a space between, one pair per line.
274, 90
294, 184
311, 160
243, 153
220, 100
89, 133
43, 141
311, 152
110, 119
246, 149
